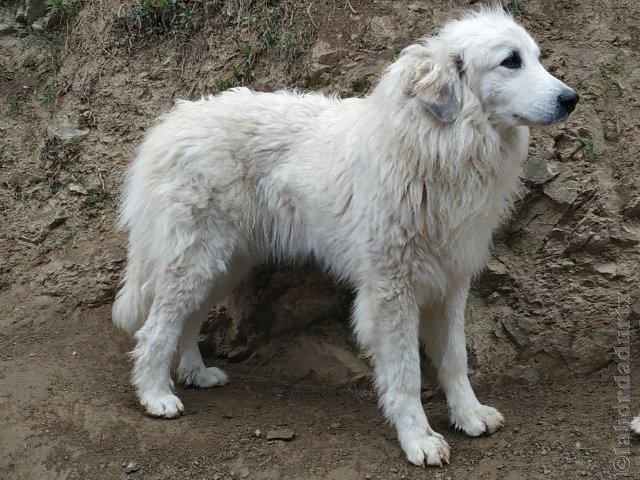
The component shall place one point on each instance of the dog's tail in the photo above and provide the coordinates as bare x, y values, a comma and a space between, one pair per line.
131, 304
133, 300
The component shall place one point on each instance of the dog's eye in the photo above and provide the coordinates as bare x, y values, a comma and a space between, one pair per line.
512, 61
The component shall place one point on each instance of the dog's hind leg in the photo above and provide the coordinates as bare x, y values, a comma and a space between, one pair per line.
191, 368
386, 319
444, 339
182, 289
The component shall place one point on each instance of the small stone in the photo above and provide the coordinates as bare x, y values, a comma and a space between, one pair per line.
58, 220
632, 208
563, 189
239, 353
39, 25
607, 270
32, 355
53, 19
323, 54
283, 434
258, 433
418, 7
35, 9
78, 189
6, 29
625, 236
244, 472
74, 353
131, 467
66, 132
335, 425
538, 171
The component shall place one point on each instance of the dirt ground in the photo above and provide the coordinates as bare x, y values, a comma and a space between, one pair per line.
77, 92
70, 413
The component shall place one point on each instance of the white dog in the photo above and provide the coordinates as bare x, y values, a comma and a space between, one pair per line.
397, 192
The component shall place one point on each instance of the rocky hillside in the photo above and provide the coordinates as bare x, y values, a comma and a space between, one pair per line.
81, 81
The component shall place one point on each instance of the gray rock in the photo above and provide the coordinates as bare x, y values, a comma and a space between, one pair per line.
419, 7
78, 189
564, 189
519, 329
244, 472
538, 171
35, 9
494, 277
382, 30
39, 25
131, 467
632, 207
6, 28
607, 270
53, 19
282, 434
66, 132
625, 236
323, 54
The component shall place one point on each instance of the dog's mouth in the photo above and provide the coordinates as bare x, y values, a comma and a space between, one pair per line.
559, 117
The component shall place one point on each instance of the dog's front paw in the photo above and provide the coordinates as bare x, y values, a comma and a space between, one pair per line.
427, 448
477, 420
165, 405
635, 425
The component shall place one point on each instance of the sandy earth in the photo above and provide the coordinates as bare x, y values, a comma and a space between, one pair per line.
69, 415
75, 100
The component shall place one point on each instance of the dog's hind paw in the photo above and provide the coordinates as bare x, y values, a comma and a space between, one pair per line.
477, 420
429, 448
165, 405
203, 377
635, 425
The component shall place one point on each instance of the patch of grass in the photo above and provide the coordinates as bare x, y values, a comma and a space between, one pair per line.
48, 96
590, 151
273, 23
222, 83
67, 8
30, 63
56, 63
160, 17
360, 87
243, 71
17, 107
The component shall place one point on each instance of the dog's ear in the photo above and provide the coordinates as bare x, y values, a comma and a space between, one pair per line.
437, 81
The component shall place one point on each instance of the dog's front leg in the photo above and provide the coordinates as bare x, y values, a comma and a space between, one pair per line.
386, 322
445, 343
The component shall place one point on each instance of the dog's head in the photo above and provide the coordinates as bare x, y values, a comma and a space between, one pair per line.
489, 57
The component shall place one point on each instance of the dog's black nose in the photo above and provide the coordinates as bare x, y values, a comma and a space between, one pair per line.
568, 100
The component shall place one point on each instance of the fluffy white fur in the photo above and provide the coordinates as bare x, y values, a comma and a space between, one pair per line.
635, 425
398, 193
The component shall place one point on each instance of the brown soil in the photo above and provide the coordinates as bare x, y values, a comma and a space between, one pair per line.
542, 319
